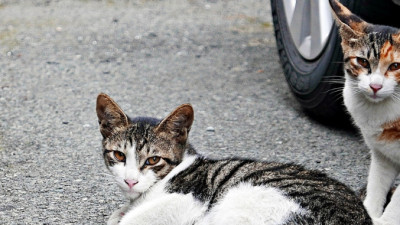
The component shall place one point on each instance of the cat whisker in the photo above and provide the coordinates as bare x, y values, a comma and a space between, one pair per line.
396, 96
396, 99
334, 81
356, 91
354, 87
338, 98
335, 77
385, 92
335, 90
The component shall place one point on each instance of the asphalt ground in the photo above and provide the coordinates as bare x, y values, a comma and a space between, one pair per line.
150, 56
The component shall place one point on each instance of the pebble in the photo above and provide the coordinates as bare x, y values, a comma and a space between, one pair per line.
210, 129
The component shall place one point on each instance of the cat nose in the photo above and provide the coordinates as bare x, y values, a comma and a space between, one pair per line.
375, 87
130, 183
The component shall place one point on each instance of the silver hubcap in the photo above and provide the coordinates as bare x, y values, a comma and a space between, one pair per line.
310, 23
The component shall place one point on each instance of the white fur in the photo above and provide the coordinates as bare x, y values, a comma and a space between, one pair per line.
155, 206
165, 209
130, 171
370, 113
117, 215
244, 205
252, 205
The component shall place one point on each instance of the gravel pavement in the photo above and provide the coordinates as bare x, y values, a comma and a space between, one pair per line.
150, 56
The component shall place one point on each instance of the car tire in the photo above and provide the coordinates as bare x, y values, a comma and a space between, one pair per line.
314, 82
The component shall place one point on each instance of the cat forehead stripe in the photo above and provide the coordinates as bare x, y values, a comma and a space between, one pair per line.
386, 49
376, 42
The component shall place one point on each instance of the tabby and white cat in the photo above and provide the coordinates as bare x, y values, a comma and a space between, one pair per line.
372, 96
167, 182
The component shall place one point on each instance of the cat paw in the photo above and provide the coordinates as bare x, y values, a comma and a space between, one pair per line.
381, 221
374, 210
113, 221
117, 215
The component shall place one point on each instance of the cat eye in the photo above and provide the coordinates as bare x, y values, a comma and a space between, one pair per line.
152, 160
119, 156
394, 66
363, 62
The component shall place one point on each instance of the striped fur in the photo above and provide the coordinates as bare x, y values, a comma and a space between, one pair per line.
325, 200
372, 96
188, 189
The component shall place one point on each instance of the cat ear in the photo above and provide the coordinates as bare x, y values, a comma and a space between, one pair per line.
111, 117
351, 27
177, 124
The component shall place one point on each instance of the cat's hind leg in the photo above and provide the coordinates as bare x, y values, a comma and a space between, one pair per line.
252, 205
382, 174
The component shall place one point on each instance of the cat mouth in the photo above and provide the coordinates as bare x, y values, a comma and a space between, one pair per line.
130, 190
132, 194
374, 97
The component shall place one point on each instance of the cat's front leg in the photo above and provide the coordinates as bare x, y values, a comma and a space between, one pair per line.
117, 215
167, 209
382, 174
391, 214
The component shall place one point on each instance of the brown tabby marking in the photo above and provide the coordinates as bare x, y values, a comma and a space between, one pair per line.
391, 131
386, 48
386, 56
354, 69
389, 54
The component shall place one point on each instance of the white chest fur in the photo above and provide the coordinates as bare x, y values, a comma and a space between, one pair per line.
370, 117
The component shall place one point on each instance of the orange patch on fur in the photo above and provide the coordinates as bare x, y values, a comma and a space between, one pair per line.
352, 67
391, 131
358, 26
388, 50
385, 50
397, 77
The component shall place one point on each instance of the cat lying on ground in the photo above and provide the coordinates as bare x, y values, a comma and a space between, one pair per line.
167, 182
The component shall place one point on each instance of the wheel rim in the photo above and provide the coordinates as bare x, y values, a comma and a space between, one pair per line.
310, 24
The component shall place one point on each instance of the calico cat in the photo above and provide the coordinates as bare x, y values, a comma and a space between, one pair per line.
372, 96
167, 182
